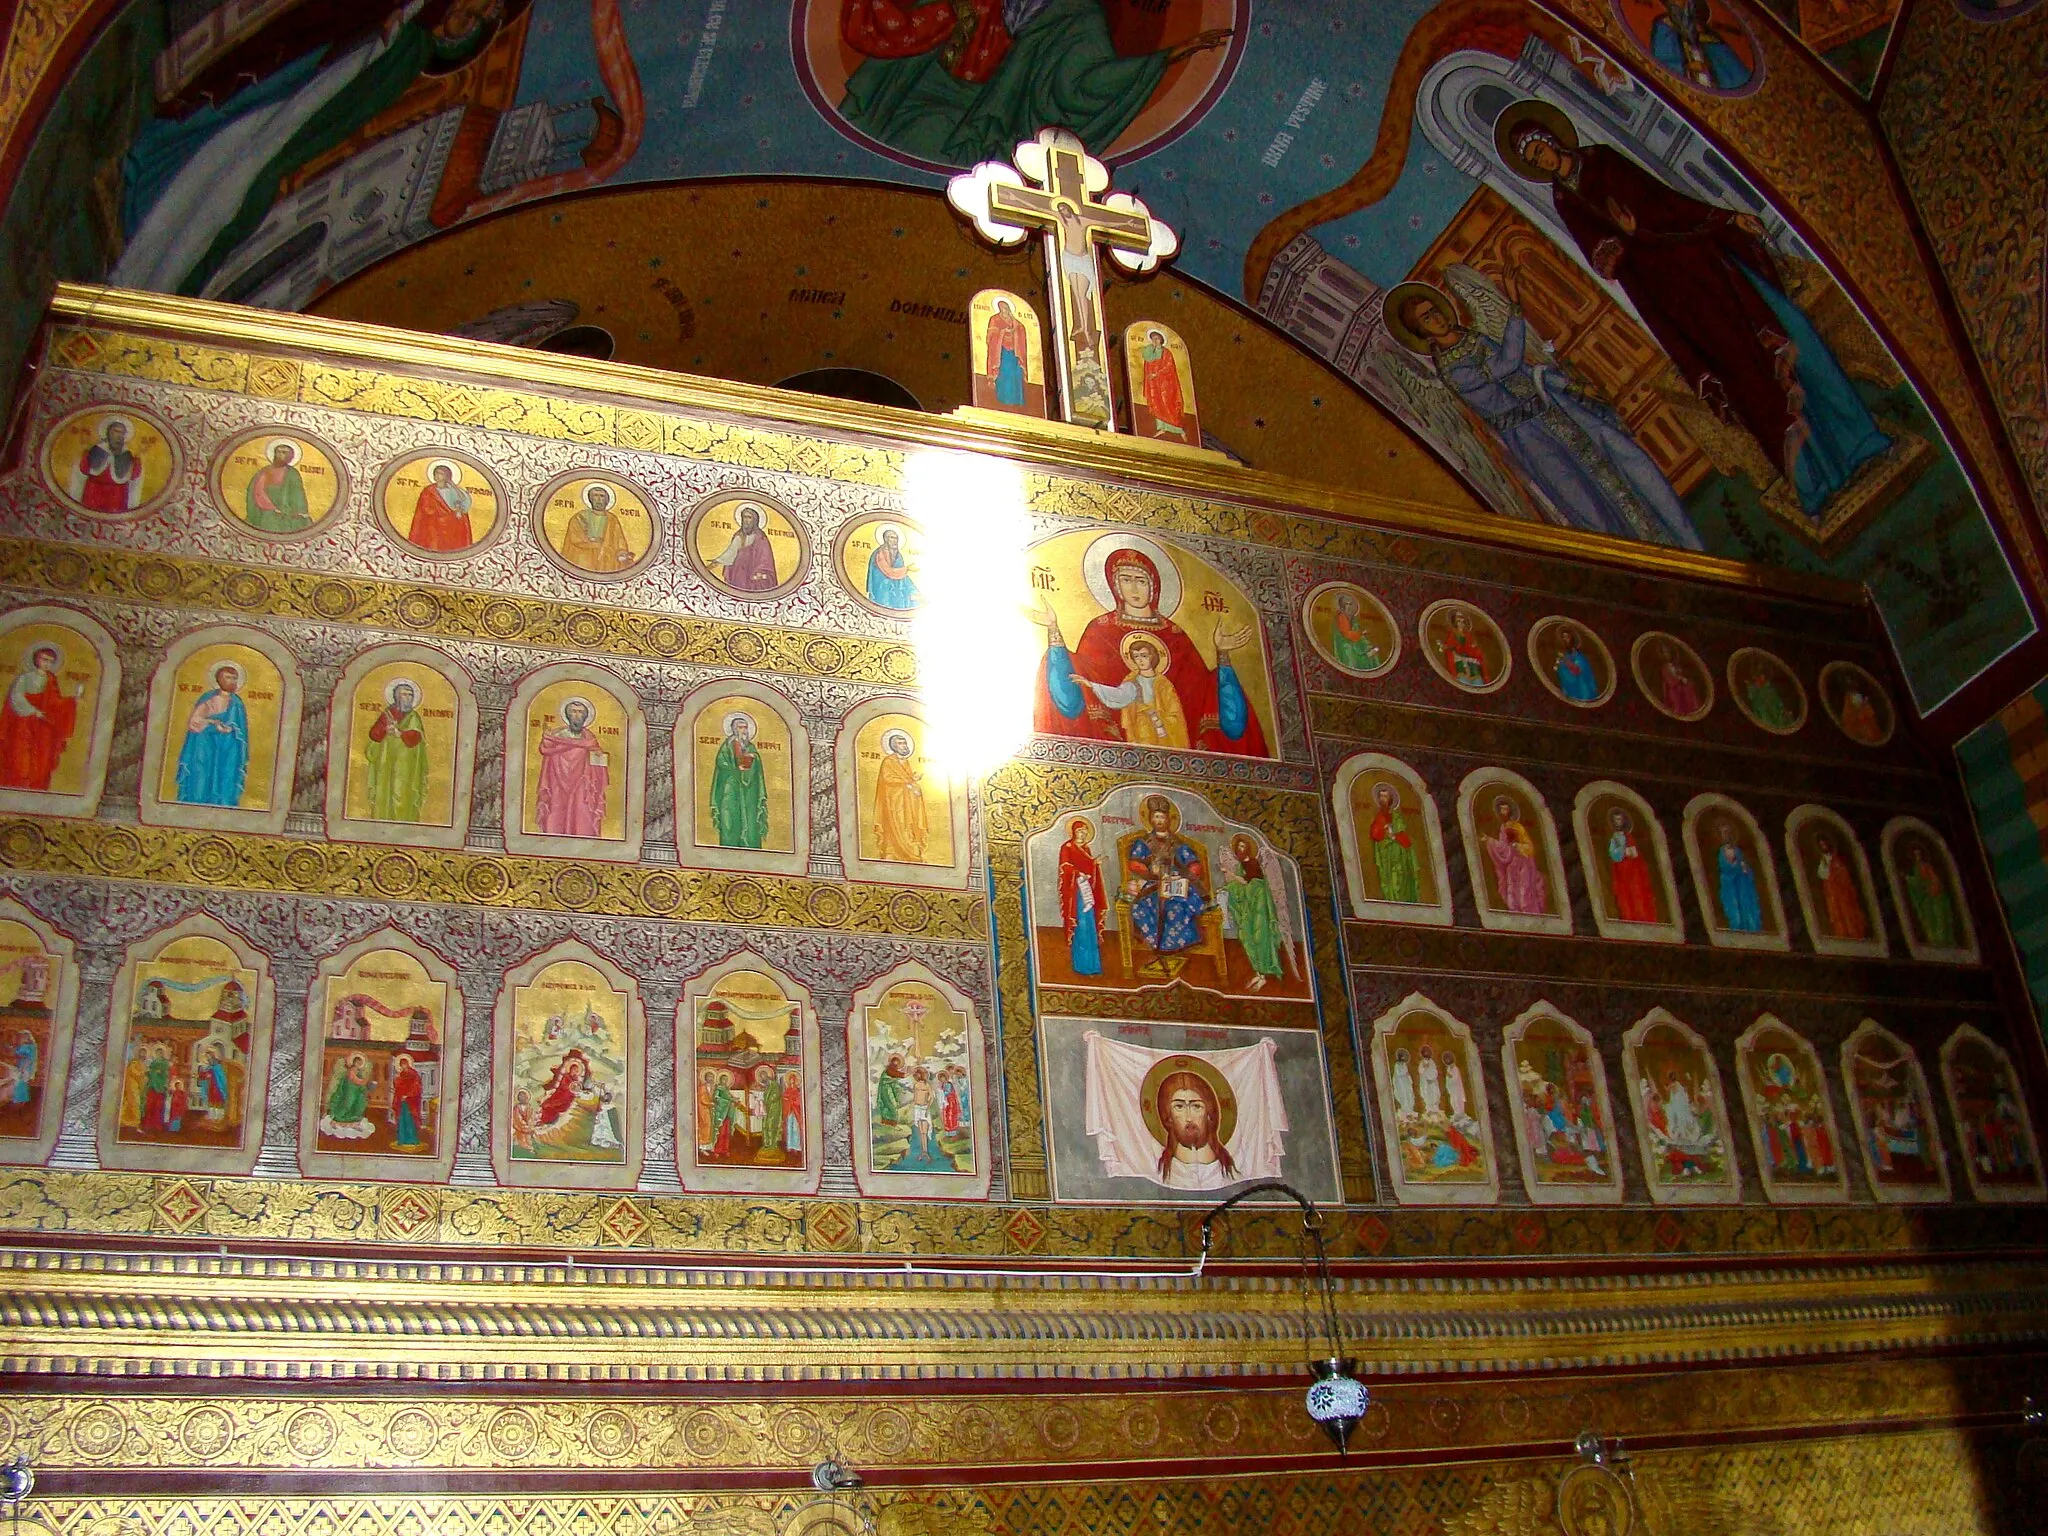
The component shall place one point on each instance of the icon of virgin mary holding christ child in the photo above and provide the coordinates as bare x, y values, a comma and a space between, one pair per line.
1105, 687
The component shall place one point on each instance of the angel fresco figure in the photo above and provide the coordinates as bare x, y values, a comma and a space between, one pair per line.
1569, 443
1708, 288
968, 81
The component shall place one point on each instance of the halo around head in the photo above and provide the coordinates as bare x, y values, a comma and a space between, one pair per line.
391, 690
726, 725
270, 449
1400, 297
1530, 113
1138, 637
589, 709
1094, 570
611, 495
1226, 1097
890, 739
454, 470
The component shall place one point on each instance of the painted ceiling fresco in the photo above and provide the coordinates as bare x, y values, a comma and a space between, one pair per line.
1474, 215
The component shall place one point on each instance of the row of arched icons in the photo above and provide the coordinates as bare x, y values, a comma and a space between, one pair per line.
222, 744
191, 1028
1395, 866
1354, 632
283, 484
1439, 1135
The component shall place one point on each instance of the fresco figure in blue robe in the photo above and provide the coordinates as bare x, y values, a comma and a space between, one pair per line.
1577, 678
890, 584
1741, 906
957, 81
1686, 41
1570, 446
213, 758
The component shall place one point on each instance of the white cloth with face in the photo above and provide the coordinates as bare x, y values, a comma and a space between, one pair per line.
1114, 1114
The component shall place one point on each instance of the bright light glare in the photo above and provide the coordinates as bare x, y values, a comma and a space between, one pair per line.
978, 649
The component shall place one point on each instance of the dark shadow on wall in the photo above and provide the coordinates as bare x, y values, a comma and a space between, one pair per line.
63, 220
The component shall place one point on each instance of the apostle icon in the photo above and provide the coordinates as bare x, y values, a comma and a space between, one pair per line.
747, 546
575, 774
1511, 853
1571, 662
38, 718
596, 526
1635, 894
1735, 875
1767, 691
876, 559
739, 786
1834, 884
441, 504
1165, 692
395, 755
1517, 875
1671, 676
1351, 629
902, 820
1008, 354
213, 757
1464, 646
1627, 864
1860, 708
117, 463
1393, 846
277, 484
1927, 890
1391, 840
1162, 385
401, 739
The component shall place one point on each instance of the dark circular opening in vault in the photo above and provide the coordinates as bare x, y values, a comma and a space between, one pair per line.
853, 384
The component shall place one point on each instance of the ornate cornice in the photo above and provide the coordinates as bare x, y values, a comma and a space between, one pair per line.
175, 1315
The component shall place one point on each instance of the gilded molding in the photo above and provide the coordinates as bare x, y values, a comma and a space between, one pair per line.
245, 862
77, 1314
110, 336
450, 613
925, 1426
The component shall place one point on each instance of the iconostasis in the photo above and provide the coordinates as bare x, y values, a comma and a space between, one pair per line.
516, 806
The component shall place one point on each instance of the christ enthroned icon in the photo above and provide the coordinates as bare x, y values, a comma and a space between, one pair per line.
1060, 190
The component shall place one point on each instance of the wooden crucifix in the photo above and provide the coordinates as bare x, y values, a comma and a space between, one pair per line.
1058, 189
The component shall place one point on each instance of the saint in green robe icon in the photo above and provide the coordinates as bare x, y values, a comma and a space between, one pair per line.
739, 787
276, 499
396, 756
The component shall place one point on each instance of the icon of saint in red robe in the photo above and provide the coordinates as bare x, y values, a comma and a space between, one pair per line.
108, 475
36, 722
440, 518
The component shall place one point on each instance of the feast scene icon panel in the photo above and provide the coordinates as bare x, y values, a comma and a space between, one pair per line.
597, 525
1832, 876
38, 1012
568, 1084
401, 749
112, 462
1464, 646
1148, 643
1628, 865
2001, 1157
902, 818
1392, 842
748, 546
63, 680
1432, 1105
1154, 1113
1154, 888
280, 483
920, 1089
1351, 629
188, 1053
743, 779
1571, 661
441, 504
1681, 1111
1934, 914
747, 1061
1894, 1114
1734, 875
223, 733
1564, 1121
878, 560
575, 765
1512, 853
381, 1092
1791, 1115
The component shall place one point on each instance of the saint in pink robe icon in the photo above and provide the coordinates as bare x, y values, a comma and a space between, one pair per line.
747, 564
575, 776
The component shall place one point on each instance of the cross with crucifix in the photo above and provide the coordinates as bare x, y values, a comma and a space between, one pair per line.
1058, 188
